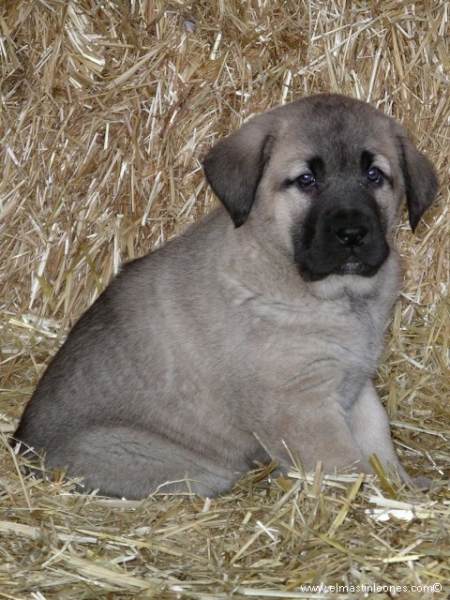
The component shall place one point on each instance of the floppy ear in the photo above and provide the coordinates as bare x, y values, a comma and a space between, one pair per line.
420, 180
235, 165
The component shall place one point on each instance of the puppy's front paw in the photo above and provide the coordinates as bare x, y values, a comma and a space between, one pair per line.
422, 483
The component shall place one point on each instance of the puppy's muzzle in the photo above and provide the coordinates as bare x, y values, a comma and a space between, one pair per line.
341, 237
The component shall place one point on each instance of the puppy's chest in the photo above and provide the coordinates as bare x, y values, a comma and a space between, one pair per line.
322, 342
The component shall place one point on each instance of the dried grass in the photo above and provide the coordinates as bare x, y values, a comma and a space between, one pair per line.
106, 109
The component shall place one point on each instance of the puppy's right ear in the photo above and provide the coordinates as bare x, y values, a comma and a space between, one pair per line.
235, 165
420, 180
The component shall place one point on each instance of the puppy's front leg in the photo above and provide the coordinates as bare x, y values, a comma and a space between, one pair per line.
369, 424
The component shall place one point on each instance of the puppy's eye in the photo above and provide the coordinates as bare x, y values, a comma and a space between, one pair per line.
374, 175
306, 180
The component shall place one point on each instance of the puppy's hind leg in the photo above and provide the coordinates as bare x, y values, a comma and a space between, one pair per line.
130, 463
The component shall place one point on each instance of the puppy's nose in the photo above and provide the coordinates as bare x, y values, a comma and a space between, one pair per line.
351, 235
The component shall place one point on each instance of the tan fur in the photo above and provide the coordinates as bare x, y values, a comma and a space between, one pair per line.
226, 345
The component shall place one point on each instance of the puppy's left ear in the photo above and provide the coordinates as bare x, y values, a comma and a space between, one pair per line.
420, 179
235, 165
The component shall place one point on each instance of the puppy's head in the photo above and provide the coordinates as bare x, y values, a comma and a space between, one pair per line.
323, 177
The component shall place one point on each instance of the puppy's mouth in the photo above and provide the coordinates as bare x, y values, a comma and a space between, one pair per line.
351, 266
354, 266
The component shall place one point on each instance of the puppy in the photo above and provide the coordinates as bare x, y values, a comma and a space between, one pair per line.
258, 329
